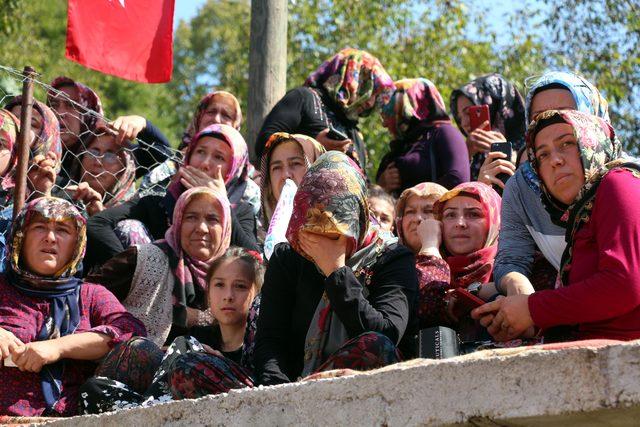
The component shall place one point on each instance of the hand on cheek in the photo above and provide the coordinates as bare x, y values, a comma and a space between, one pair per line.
327, 253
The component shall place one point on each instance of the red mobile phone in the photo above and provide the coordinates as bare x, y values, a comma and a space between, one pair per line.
465, 302
479, 114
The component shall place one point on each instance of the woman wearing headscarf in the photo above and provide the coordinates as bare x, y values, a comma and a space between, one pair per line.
426, 146
413, 209
527, 227
218, 107
53, 326
506, 116
285, 157
79, 111
459, 245
216, 158
340, 294
589, 187
9, 128
163, 283
344, 88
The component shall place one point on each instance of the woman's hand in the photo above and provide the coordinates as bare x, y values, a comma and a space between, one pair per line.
494, 165
128, 127
192, 177
90, 197
8, 344
516, 284
480, 140
42, 174
390, 179
328, 254
430, 233
505, 318
335, 373
332, 144
33, 356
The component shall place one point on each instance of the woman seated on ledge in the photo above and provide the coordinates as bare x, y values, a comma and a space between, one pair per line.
54, 327
339, 294
457, 250
577, 157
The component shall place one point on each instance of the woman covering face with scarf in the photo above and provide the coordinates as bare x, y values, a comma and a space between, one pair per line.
595, 193
340, 294
163, 283
526, 226
216, 158
52, 324
426, 146
344, 88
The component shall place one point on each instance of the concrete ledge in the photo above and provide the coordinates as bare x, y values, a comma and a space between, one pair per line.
519, 387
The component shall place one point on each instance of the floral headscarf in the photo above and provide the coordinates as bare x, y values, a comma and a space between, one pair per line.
190, 274
506, 110
423, 190
311, 150
88, 100
48, 140
600, 152
586, 96
62, 289
9, 128
332, 198
476, 266
354, 80
124, 187
221, 97
415, 101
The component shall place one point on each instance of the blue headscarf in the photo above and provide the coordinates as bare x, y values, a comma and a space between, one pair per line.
586, 96
62, 289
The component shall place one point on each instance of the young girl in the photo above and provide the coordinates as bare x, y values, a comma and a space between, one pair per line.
210, 359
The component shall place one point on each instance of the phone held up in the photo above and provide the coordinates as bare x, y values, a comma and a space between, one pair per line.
336, 134
505, 148
479, 114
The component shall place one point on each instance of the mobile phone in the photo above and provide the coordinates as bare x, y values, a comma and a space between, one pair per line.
502, 147
465, 302
335, 134
478, 114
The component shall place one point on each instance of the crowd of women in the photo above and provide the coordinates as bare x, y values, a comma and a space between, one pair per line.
132, 276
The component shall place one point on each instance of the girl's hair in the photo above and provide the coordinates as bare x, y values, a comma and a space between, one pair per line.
376, 192
252, 259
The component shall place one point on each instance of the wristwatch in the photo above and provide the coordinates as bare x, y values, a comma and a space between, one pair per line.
474, 288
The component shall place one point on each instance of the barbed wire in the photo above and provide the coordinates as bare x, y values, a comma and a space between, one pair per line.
95, 167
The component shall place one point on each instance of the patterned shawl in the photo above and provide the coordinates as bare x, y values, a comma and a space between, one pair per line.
600, 152
236, 177
425, 190
587, 98
506, 110
476, 266
311, 149
190, 283
332, 199
62, 289
354, 80
89, 102
415, 102
220, 97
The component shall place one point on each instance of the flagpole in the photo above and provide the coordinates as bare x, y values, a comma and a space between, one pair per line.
20, 190
267, 63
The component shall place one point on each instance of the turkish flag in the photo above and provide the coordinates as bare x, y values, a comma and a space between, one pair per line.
131, 39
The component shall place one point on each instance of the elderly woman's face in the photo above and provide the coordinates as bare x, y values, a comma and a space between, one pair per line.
287, 162
464, 225
217, 112
551, 99
48, 245
416, 209
37, 122
68, 114
209, 153
102, 164
201, 231
559, 163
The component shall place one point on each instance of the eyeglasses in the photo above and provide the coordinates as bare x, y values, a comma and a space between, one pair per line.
107, 156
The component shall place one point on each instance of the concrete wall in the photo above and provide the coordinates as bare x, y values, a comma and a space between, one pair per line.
519, 387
